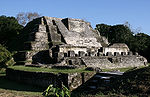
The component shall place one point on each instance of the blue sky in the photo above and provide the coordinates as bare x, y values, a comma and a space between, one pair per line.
112, 12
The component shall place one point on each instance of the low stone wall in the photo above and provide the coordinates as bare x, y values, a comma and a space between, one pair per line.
44, 79
110, 62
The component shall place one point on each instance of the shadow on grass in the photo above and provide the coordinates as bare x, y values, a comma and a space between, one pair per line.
12, 85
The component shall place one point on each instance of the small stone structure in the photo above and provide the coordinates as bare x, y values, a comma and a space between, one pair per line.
69, 41
44, 79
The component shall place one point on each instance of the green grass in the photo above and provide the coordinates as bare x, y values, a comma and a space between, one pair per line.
40, 69
117, 69
121, 69
12, 89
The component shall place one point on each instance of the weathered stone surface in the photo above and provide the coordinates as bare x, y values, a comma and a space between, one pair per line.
130, 53
115, 62
117, 47
76, 39
76, 34
68, 43
81, 53
44, 79
71, 54
77, 79
109, 54
36, 46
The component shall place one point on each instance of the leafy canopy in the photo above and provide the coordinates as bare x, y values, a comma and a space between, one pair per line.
139, 42
9, 30
5, 56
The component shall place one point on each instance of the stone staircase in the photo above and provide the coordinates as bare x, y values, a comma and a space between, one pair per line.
101, 81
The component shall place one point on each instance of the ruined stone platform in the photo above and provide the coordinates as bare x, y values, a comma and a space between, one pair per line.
66, 41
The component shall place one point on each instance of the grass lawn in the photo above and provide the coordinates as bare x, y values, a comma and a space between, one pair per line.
14, 89
40, 69
133, 78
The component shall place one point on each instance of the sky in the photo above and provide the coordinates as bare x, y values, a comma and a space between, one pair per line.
111, 12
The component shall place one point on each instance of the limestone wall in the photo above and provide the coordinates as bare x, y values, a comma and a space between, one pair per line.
77, 79
113, 50
78, 33
101, 62
71, 48
43, 79
73, 37
76, 25
110, 62
77, 49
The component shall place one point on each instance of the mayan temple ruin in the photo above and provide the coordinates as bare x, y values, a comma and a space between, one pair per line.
73, 42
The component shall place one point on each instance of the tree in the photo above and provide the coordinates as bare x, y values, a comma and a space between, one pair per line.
9, 30
24, 18
116, 33
5, 57
139, 42
143, 46
103, 29
121, 34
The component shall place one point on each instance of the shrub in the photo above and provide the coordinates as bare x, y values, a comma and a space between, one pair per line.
5, 57
52, 91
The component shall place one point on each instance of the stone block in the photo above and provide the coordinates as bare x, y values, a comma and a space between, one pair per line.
116, 54
71, 54
41, 36
123, 53
76, 25
81, 54
42, 28
100, 54
53, 34
88, 53
136, 53
60, 55
109, 54
93, 54
36, 45
65, 54
130, 53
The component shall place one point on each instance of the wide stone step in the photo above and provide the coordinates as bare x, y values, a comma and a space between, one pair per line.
94, 81
92, 87
102, 77
34, 45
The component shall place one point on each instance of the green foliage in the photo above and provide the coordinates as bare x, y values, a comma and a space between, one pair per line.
122, 34
143, 44
56, 91
38, 69
116, 33
5, 57
103, 29
9, 30
136, 81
